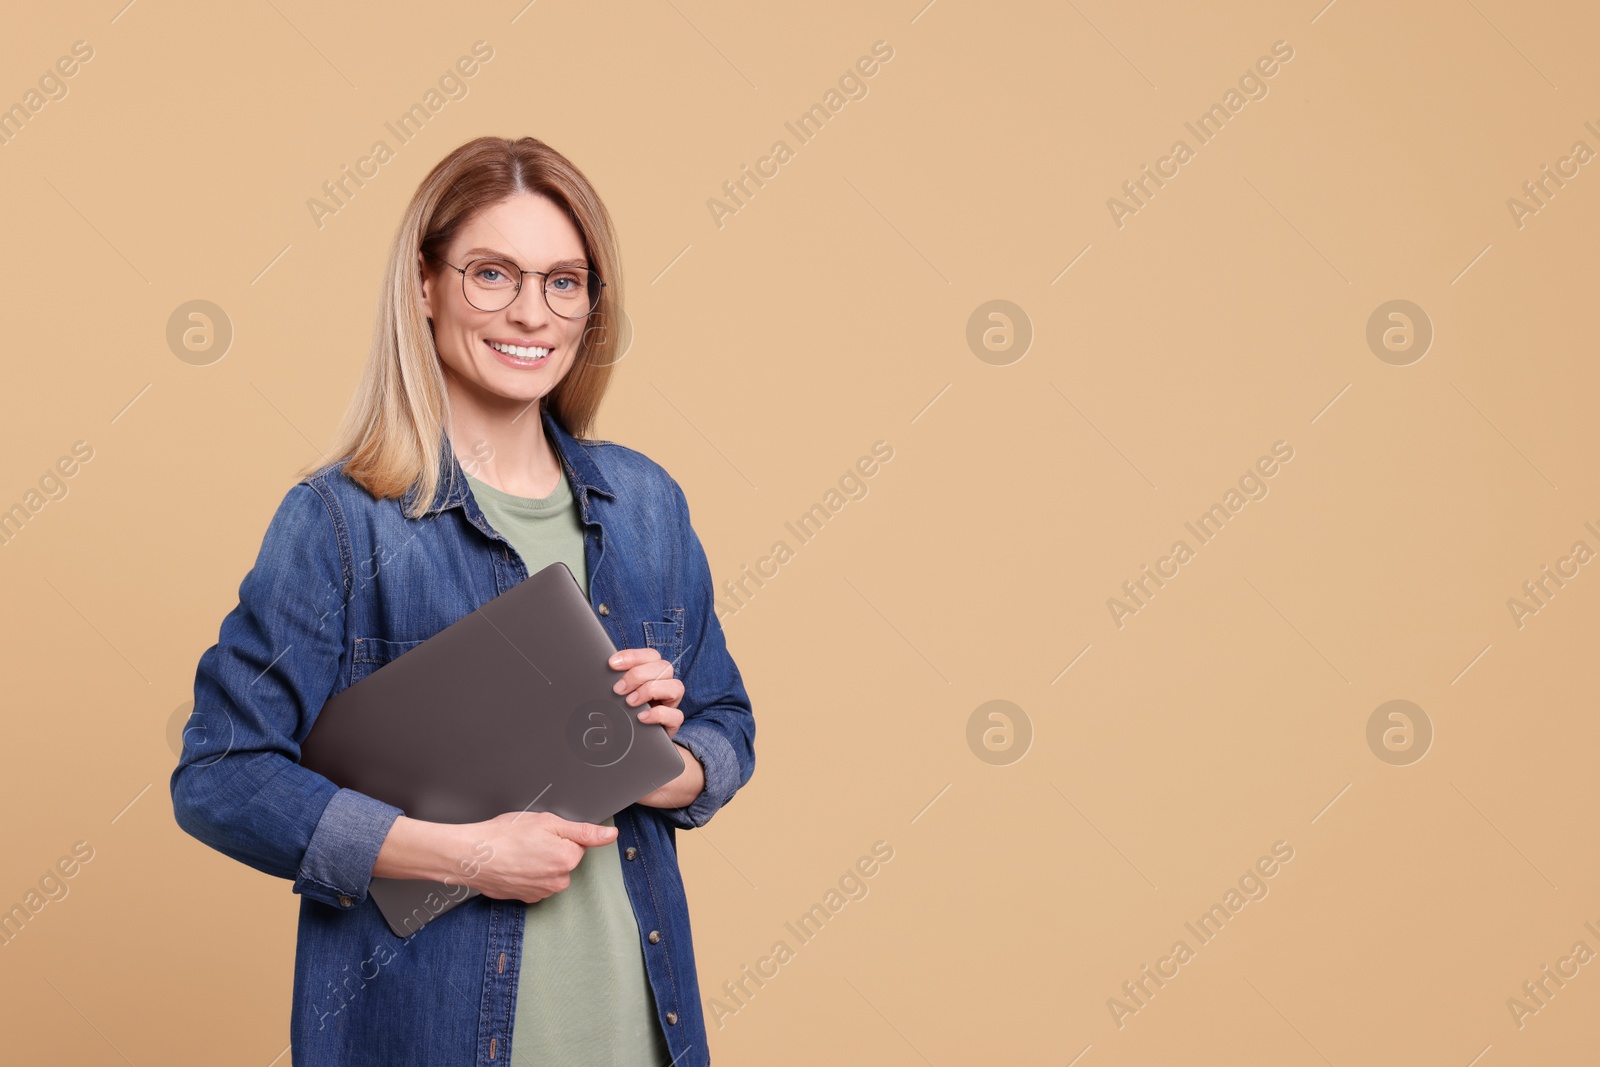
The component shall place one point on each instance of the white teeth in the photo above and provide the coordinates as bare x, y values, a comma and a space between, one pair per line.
519, 351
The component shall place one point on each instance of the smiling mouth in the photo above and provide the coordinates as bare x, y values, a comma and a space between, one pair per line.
520, 354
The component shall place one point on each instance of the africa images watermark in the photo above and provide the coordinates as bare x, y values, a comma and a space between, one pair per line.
852, 886
1538, 592
852, 485
53, 88
1537, 994
1252, 485
383, 952
52, 486
1252, 887
52, 887
452, 85
1252, 85
1538, 192
738, 192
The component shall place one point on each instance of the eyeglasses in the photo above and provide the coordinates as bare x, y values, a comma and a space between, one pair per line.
493, 284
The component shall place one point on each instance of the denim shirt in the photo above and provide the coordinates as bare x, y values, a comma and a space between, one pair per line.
343, 584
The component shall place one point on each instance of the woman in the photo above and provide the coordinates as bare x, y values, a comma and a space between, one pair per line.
490, 344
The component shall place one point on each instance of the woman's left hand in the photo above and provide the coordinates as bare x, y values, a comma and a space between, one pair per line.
648, 677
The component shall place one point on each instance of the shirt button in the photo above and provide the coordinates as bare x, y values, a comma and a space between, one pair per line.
631, 852
655, 937
344, 901
672, 1018
604, 610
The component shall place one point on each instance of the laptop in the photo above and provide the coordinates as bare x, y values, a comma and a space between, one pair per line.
509, 708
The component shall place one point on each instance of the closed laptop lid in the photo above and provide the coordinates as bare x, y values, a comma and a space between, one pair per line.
510, 708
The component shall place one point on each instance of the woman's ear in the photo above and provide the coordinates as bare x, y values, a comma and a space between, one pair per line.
425, 286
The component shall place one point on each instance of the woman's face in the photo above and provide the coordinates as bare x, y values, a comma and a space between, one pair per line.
532, 232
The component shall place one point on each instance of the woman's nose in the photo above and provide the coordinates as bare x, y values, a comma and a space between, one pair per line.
530, 306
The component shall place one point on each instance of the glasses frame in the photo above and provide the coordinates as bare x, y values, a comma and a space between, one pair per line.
544, 276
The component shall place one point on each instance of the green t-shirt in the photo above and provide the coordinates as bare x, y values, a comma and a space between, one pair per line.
583, 995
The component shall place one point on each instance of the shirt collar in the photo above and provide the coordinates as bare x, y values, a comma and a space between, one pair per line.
582, 472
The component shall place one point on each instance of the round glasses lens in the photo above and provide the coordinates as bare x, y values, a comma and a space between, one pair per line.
570, 291
490, 284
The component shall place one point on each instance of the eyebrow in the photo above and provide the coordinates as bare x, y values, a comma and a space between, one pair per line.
497, 254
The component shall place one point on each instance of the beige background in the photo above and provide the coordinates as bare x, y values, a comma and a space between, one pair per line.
831, 312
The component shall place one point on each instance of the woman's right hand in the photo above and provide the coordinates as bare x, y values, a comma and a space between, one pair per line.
529, 855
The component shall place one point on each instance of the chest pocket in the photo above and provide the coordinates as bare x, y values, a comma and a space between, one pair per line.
665, 635
373, 652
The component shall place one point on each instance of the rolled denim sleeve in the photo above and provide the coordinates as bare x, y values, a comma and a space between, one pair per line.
239, 786
718, 726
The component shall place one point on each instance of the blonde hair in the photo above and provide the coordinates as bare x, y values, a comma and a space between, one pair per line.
390, 436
